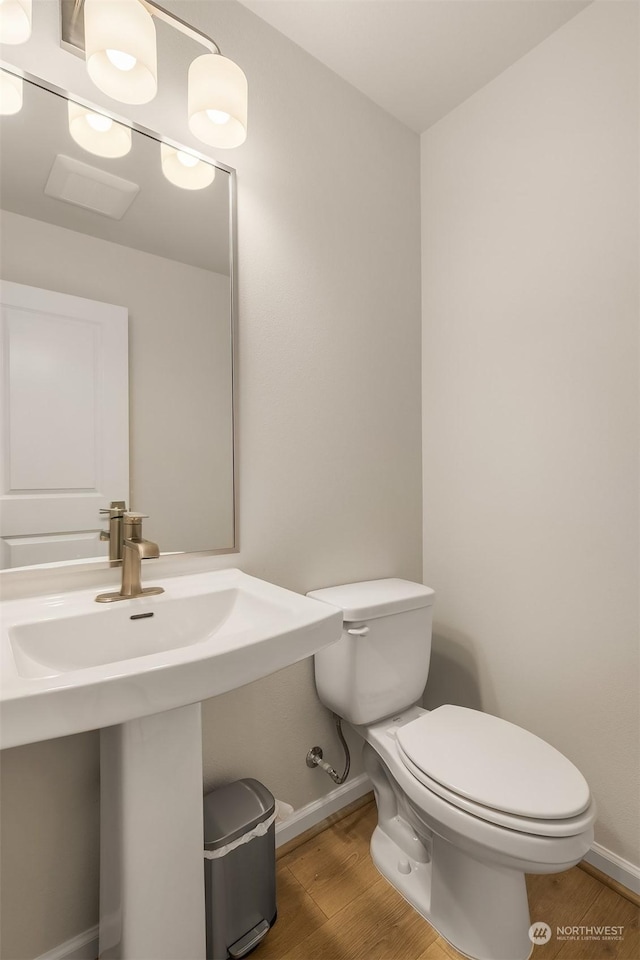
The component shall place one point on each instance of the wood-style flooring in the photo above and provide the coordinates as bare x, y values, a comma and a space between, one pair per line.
334, 905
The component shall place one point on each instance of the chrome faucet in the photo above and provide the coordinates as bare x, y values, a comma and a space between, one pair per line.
134, 550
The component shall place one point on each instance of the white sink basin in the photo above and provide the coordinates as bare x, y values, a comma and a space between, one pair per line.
132, 630
68, 664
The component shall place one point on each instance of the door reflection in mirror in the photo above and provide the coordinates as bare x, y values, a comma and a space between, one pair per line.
167, 265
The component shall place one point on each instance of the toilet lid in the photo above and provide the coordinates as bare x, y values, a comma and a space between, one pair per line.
494, 763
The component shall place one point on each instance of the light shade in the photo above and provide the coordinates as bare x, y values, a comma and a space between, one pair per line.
10, 94
217, 101
120, 47
15, 21
98, 134
184, 170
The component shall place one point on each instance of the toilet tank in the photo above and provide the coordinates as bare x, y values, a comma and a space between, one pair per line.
379, 666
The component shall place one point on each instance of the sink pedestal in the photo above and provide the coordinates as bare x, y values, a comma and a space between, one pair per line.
134, 670
151, 843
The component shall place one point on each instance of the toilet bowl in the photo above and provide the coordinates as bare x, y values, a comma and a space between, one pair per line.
467, 802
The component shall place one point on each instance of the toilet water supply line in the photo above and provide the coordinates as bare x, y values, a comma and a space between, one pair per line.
314, 757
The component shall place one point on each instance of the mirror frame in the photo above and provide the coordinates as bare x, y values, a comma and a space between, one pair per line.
97, 563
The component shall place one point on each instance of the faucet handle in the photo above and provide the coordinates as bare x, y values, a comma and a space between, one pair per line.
132, 525
116, 510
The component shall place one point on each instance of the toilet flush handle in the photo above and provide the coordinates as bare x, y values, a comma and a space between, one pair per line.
358, 631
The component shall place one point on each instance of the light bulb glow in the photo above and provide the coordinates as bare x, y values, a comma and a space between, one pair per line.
121, 60
187, 159
184, 170
98, 134
99, 123
218, 116
15, 21
10, 93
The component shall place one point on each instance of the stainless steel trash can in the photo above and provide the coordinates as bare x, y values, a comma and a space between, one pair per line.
239, 867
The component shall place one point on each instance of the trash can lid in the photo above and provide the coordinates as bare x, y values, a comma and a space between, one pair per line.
234, 809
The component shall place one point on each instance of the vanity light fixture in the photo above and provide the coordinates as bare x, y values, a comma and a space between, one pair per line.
220, 120
97, 133
10, 93
184, 170
15, 21
120, 49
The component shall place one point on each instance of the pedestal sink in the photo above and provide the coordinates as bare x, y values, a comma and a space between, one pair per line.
138, 670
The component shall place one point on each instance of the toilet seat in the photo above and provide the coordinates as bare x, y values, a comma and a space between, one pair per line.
569, 827
495, 771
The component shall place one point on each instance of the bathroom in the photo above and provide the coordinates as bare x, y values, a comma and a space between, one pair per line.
436, 380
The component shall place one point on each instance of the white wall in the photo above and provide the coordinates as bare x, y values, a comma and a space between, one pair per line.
179, 371
530, 345
329, 427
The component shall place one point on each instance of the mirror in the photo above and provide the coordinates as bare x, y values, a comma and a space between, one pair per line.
117, 374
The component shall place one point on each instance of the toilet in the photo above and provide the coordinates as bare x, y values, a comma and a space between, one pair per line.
467, 803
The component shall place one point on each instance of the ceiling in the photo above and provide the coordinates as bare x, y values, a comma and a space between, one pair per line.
417, 59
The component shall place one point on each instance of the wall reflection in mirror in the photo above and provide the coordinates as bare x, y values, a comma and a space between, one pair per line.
117, 336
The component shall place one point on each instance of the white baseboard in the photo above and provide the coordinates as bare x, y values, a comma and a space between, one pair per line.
85, 945
615, 867
82, 947
308, 816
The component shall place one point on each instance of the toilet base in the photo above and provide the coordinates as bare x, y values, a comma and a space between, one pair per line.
480, 909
